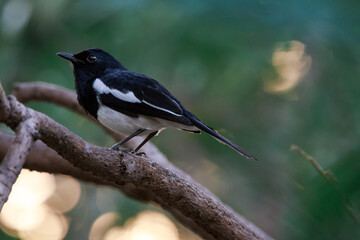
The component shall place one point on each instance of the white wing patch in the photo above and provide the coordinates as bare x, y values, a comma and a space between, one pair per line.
162, 109
101, 88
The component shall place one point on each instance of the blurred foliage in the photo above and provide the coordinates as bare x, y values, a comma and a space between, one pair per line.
219, 58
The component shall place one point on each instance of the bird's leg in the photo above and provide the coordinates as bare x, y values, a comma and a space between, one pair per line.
117, 145
151, 135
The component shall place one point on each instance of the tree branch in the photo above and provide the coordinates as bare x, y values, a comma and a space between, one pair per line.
155, 181
44, 159
15, 157
4, 105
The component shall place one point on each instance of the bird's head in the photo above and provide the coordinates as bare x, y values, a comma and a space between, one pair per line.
91, 63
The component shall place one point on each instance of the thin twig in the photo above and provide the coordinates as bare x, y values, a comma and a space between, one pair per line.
4, 105
15, 158
330, 178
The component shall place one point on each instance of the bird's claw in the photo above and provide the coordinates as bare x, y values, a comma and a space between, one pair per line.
128, 150
141, 154
125, 150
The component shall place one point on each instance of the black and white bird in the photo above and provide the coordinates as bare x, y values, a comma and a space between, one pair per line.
131, 103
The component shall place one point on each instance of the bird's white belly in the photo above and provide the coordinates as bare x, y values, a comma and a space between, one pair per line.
122, 123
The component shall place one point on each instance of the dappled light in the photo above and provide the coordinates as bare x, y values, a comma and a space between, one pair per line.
291, 64
15, 16
103, 224
54, 226
66, 195
32, 189
147, 225
36, 204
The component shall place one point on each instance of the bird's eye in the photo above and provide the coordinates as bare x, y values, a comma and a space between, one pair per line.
91, 59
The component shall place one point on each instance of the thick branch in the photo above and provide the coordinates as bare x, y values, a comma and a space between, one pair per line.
15, 158
41, 91
164, 184
44, 159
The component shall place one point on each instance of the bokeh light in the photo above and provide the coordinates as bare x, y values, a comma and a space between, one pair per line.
32, 189
66, 195
102, 224
54, 227
148, 225
36, 204
22, 218
14, 16
291, 64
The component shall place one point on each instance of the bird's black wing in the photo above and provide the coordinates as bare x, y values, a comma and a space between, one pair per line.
141, 95
147, 97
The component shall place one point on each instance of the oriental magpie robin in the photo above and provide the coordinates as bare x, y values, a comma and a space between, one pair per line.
129, 102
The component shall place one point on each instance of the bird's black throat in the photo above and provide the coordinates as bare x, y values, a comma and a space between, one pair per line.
86, 94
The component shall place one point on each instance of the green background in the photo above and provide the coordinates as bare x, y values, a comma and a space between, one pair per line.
216, 57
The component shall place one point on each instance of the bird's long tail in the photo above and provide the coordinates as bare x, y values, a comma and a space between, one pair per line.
202, 126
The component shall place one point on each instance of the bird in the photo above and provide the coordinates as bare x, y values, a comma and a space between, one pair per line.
131, 103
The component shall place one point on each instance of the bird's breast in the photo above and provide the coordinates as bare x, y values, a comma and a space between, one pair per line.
122, 123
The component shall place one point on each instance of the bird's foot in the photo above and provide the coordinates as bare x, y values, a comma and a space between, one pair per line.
128, 150
116, 147
141, 154
124, 150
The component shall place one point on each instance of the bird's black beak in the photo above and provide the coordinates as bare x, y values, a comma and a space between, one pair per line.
68, 56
